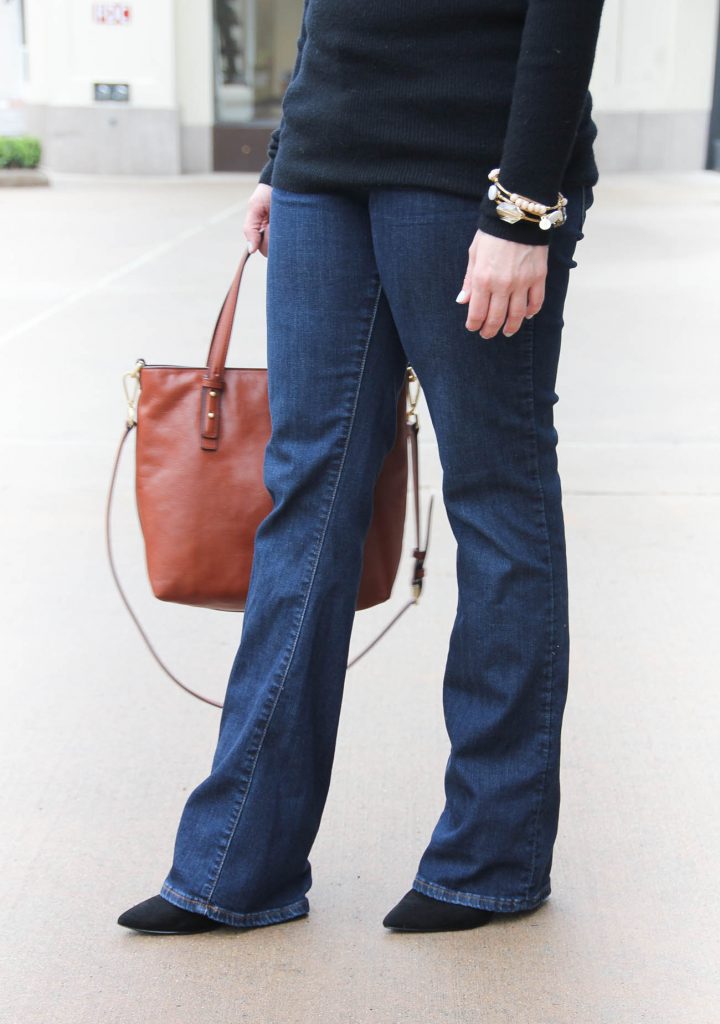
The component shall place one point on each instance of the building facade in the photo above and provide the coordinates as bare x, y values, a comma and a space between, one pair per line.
173, 86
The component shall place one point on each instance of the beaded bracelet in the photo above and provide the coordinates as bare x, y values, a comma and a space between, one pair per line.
512, 207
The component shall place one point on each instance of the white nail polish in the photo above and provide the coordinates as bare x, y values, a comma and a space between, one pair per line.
250, 247
461, 296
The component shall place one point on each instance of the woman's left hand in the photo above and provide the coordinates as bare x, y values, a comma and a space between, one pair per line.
504, 283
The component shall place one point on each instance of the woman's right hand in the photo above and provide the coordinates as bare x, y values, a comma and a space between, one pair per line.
257, 219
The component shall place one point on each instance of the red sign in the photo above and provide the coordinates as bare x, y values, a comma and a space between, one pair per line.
111, 14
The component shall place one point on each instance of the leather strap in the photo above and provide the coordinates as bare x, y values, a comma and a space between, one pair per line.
214, 376
419, 553
220, 343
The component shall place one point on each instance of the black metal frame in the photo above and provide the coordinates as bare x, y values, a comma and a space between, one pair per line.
712, 162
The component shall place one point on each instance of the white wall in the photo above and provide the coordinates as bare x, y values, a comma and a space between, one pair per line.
11, 70
68, 52
652, 84
656, 55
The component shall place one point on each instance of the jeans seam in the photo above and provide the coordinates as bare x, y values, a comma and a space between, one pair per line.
500, 903
308, 591
274, 915
550, 656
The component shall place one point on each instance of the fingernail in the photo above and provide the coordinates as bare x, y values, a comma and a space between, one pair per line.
529, 316
250, 247
461, 296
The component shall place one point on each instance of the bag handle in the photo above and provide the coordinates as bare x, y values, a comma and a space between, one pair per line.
419, 553
220, 344
213, 380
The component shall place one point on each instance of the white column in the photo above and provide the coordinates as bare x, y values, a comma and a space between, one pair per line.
69, 51
652, 83
194, 81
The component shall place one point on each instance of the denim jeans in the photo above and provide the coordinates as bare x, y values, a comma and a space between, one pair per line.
358, 286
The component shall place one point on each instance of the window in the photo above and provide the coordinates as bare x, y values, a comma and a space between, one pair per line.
255, 49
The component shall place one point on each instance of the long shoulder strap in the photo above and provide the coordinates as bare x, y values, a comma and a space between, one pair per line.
118, 584
419, 555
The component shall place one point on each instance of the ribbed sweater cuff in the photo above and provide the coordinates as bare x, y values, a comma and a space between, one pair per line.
266, 173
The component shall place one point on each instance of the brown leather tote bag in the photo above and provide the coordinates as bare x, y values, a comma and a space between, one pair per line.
200, 442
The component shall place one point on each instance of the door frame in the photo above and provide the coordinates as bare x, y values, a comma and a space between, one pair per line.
712, 162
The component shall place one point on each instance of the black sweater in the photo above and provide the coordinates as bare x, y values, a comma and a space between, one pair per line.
436, 93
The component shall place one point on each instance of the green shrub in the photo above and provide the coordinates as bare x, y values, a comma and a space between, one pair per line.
19, 151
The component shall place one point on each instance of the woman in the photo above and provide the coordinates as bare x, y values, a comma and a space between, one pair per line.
378, 201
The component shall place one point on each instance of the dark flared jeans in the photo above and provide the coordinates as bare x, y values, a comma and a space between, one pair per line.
358, 286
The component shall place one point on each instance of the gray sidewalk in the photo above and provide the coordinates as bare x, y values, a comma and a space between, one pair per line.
99, 751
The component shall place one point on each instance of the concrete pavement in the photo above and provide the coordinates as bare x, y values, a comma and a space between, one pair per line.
99, 751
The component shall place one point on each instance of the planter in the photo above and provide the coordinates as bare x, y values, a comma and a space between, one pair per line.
22, 177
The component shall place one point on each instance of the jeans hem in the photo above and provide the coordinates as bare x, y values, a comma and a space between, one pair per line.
255, 919
503, 904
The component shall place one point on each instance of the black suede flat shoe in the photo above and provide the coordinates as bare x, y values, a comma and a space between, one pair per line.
157, 916
417, 912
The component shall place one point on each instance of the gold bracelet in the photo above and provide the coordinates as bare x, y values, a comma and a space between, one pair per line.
512, 207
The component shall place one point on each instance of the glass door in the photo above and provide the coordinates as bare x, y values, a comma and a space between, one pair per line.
255, 46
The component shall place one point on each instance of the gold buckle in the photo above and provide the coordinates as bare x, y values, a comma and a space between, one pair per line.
410, 414
132, 391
